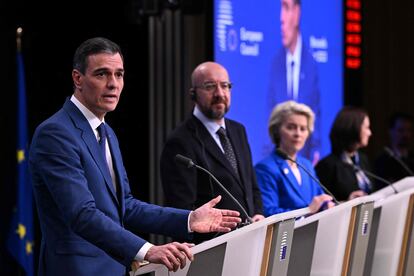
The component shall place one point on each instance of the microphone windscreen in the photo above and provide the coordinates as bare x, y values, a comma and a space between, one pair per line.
180, 159
389, 151
282, 154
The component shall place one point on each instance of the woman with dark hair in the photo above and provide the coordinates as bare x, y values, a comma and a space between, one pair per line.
338, 171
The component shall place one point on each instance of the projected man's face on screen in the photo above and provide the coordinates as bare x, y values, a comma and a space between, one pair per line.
289, 23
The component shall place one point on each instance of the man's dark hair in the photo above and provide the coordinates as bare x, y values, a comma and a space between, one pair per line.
396, 116
346, 129
297, 2
93, 46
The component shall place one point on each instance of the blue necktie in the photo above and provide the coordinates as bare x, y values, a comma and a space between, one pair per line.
292, 80
103, 135
102, 139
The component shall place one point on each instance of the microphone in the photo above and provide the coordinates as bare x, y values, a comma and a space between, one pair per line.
282, 154
399, 160
190, 164
358, 168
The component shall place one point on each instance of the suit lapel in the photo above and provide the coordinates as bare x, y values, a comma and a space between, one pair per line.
288, 174
89, 138
118, 167
211, 146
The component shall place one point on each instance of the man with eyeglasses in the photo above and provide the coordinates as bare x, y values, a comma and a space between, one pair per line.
214, 142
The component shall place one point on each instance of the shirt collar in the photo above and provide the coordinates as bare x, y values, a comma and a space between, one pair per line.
93, 121
296, 54
210, 124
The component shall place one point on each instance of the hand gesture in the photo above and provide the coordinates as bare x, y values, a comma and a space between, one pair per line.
208, 219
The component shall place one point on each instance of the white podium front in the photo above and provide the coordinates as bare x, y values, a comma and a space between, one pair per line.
332, 242
262, 248
393, 246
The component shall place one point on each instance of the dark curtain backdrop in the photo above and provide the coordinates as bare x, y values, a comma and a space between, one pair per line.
53, 31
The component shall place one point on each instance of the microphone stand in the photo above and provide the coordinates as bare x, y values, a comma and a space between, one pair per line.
249, 220
392, 154
357, 168
189, 164
285, 156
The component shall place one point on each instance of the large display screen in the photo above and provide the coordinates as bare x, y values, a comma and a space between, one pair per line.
252, 40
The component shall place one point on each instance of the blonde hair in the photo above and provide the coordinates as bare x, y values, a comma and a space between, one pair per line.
281, 111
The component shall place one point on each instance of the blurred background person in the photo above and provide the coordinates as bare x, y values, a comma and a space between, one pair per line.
294, 72
388, 162
284, 185
349, 133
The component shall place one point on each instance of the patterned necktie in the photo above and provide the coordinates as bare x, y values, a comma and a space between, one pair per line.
102, 139
227, 147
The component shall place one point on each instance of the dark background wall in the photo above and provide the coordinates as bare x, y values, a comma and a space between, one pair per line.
53, 31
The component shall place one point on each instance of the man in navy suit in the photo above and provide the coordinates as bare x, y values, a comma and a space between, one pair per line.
198, 138
294, 73
86, 211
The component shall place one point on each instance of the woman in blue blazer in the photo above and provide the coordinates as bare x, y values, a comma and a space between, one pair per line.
284, 185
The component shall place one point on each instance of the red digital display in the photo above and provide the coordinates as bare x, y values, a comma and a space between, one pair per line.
353, 30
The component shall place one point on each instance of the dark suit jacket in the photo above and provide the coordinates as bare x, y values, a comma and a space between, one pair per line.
308, 92
85, 224
339, 177
190, 188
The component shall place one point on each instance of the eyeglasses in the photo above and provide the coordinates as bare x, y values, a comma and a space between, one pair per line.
212, 86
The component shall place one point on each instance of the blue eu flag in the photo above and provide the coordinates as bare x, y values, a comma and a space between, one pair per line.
20, 241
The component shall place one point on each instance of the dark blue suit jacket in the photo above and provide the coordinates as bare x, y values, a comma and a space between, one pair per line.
189, 188
86, 226
308, 92
281, 191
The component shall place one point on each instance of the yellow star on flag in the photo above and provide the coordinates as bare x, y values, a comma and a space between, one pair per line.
29, 247
21, 231
20, 156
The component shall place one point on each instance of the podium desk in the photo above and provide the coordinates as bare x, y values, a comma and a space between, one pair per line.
262, 248
401, 185
334, 241
392, 249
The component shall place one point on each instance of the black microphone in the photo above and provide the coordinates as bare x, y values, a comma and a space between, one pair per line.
282, 154
399, 160
190, 164
358, 168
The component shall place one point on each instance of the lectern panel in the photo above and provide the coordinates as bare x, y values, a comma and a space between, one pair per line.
303, 243
280, 248
372, 241
209, 262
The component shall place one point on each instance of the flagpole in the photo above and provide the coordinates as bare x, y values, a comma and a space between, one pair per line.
19, 34
20, 242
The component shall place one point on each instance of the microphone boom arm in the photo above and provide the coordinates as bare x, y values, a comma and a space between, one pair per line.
249, 219
357, 168
392, 154
285, 156
190, 164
